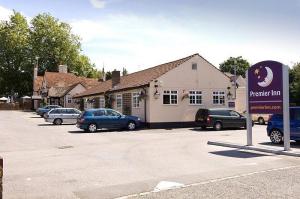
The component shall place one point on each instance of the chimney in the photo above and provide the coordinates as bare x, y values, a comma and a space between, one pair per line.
115, 78
63, 69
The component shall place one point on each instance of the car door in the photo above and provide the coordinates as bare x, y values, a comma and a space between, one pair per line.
236, 120
101, 119
114, 119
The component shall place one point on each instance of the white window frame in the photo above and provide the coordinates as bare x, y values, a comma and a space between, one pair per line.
171, 93
217, 95
195, 94
119, 101
135, 100
101, 102
69, 99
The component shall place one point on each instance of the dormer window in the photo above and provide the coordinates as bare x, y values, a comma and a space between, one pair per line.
194, 66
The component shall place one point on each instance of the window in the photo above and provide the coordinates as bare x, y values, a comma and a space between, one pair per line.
99, 113
194, 66
102, 102
112, 113
170, 97
70, 111
219, 97
195, 97
235, 114
69, 99
119, 101
135, 100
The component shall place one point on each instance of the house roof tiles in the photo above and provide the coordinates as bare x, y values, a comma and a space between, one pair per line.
137, 79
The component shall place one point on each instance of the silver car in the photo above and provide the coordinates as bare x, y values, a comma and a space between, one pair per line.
59, 116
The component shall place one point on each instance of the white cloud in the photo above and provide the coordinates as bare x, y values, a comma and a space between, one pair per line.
5, 13
141, 42
98, 3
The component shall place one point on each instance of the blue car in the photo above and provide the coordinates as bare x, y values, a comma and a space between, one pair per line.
275, 126
42, 111
104, 118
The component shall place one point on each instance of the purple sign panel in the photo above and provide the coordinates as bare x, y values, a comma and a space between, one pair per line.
265, 88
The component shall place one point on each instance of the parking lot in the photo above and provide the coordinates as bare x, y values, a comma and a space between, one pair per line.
46, 161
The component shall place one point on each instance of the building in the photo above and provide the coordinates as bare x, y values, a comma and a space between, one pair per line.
58, 88
240, 93
167, 95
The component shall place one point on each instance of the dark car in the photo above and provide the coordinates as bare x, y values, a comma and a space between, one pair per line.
220, 118
275, 126
43, 110
103, 118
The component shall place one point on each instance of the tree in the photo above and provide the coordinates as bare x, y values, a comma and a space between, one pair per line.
124, 72
45, 37
294, 78
241, 64
15, 56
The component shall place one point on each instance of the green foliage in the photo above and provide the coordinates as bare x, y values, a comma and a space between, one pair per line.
294, 77
124, 72
242, 65
47, 38
15, 56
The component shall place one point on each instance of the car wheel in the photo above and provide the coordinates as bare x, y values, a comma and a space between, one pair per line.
58, 121
131, 126
276, 136
261, 121
92, 128
218, 126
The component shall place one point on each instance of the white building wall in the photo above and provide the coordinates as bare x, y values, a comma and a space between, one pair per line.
139, 111
76, 90
206, 78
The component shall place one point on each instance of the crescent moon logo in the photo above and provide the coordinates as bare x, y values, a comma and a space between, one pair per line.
268, 79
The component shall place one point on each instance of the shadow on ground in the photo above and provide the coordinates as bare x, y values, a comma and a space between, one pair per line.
36, 117
293, 144
55, 125
238, 154
104, 131
199, 129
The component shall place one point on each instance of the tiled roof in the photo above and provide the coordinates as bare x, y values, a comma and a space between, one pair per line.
55, 79
60, 91
136, 79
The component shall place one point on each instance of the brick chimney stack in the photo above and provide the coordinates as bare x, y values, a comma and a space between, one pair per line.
63, 69
115, 78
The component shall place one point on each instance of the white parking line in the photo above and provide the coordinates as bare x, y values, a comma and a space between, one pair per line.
213, 181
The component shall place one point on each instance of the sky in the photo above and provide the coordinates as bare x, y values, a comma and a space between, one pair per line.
138, 34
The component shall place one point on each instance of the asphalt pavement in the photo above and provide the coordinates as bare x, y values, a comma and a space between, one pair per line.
46, 161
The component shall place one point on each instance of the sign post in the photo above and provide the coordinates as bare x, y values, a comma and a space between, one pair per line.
268, 93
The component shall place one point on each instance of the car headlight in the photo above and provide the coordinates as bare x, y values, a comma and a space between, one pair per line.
139, 119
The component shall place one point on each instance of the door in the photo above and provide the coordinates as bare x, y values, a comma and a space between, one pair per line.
115, 119
236, 120
101, 119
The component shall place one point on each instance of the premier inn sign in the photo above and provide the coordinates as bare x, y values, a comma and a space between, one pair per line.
265, 87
